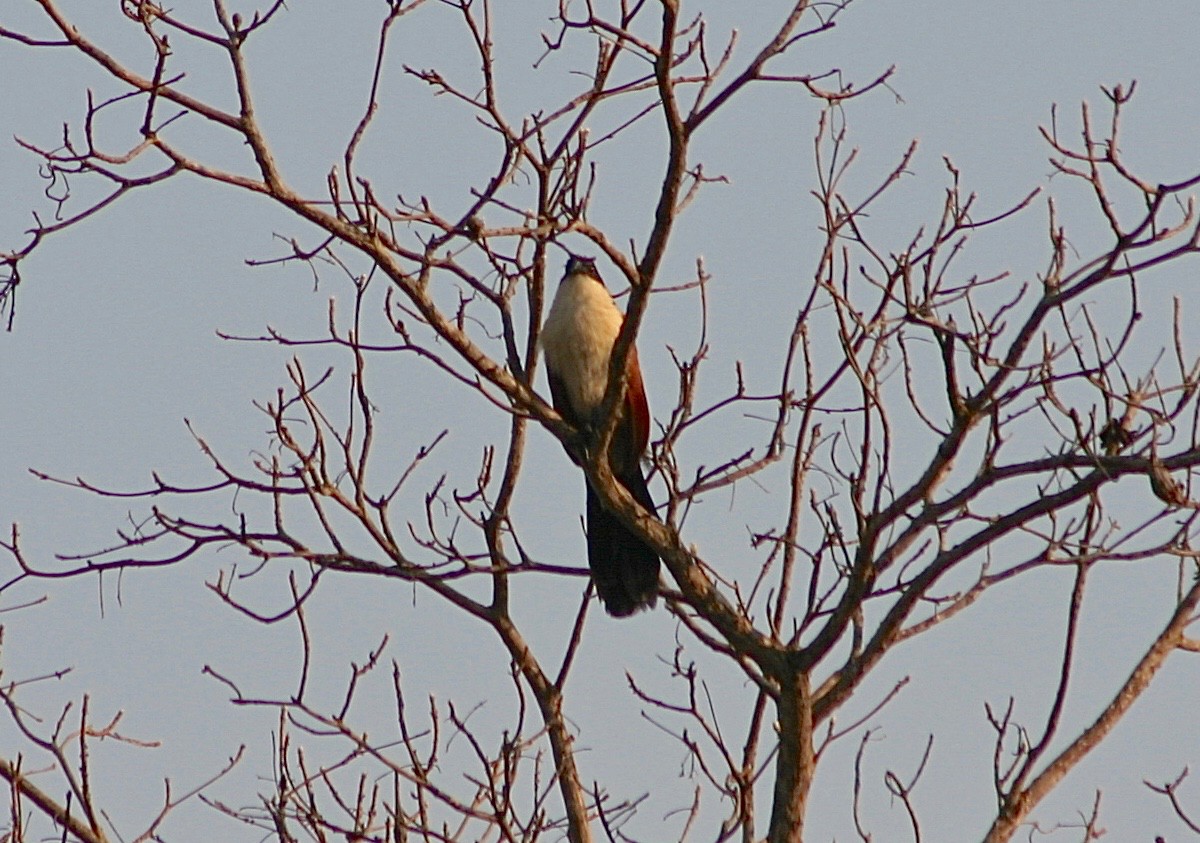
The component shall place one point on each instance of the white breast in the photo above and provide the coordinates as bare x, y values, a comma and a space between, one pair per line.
577, 339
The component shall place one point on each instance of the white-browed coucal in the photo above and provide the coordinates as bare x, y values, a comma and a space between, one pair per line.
577, 342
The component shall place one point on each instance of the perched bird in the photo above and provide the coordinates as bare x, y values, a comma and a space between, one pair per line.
577, 341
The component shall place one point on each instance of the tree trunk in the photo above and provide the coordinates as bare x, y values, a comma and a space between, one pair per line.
794, 764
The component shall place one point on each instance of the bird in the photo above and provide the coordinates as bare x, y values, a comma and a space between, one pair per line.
577, 341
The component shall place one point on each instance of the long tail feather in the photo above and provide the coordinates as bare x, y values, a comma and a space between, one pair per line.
624, 568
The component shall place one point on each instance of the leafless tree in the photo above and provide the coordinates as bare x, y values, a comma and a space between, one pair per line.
931, 427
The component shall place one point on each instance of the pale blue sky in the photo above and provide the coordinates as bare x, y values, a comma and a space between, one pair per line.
114, 345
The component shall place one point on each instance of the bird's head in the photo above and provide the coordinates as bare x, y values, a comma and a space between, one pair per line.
579, 265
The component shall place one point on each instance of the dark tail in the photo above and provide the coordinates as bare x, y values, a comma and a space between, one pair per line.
624, 568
